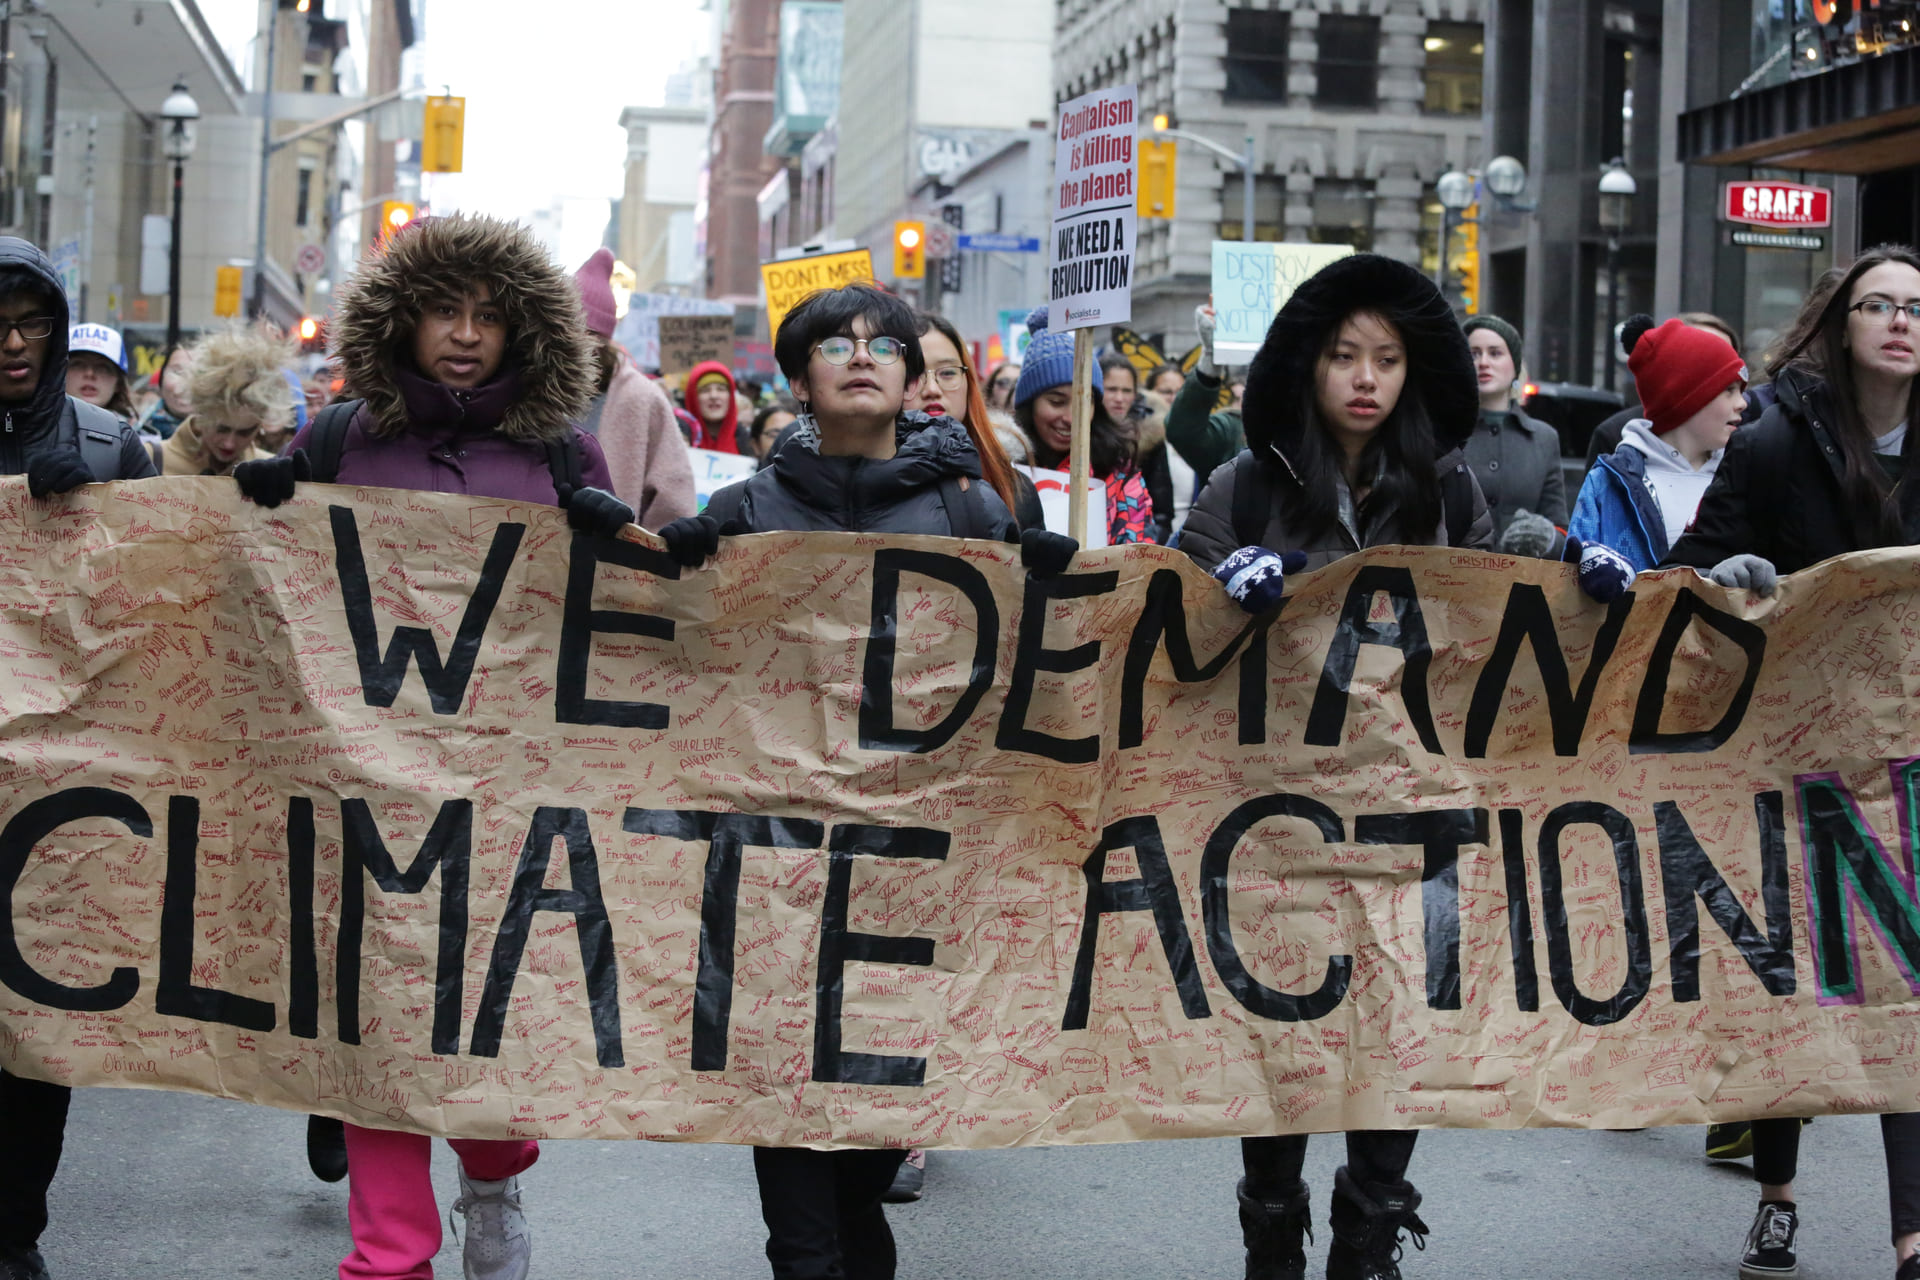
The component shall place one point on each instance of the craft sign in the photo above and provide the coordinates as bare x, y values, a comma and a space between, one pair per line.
686, 341
433, 813
1792, 205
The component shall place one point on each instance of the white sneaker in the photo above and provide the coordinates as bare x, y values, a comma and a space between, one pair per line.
498, 1245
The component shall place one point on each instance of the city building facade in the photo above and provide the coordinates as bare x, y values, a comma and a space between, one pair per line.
1353, 109
666, 152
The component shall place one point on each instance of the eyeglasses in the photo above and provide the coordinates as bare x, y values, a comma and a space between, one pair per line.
881, 350
1882, 310
952, 378
33, 328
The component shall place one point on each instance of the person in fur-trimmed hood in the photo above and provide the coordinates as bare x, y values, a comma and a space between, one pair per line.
471, 358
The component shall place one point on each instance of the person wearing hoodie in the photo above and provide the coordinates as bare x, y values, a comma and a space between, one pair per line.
1357, 406
1820, 474
1043, 407
469, 350
630, 415
240, 390
60, 443
1515, 458
715, 406
860, 462
1641, 497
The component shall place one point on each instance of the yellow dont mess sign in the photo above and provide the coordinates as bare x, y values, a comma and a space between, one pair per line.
790, 281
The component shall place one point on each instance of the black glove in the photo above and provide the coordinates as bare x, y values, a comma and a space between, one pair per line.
1045, 554
691, 540
268, 482
61, 471
598, 512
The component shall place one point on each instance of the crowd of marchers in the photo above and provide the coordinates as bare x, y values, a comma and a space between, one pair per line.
465, 362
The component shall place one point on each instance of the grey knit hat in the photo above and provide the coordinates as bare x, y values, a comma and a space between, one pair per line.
1506, 333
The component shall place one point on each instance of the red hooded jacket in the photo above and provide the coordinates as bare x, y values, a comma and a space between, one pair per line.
727, 438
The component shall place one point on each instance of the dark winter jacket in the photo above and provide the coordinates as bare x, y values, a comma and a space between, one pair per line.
1203, 437
411, 432
53, 420
1516, 460
1437, 364
801, 490
1778, 491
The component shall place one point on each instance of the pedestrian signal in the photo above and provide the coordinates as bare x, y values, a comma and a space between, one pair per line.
394, 214
1156, 178
444, 141
227, 283
909, 250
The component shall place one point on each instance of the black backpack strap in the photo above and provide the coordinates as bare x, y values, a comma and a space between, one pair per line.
328, 439
1456, 497
966, 513
725, 504
1252, 499
563, 463
98, 436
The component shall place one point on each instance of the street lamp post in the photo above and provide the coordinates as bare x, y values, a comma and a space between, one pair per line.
179, 112
1455, 190
1617, 190
1243, 162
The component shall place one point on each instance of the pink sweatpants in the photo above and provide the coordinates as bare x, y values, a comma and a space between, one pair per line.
390, 1204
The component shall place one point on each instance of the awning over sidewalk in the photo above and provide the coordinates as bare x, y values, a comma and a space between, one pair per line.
134, 52
1860, 118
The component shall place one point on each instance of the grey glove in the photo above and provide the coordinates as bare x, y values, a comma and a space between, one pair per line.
1529, 535
1753, 573
1204, 323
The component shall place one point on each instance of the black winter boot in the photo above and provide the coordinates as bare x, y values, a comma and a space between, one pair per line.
1367, 1222
1274, 1230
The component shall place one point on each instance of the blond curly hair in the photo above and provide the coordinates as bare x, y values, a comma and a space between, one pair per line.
243, 369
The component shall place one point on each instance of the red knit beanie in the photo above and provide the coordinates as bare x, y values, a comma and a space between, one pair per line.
1678, 369
595, 278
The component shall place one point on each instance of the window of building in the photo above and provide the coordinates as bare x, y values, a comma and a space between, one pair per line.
303, 198
1257, 55
1342, 213
1269, 208
1349, 65
1455, 51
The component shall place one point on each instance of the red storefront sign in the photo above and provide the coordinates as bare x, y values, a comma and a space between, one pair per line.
1777, 204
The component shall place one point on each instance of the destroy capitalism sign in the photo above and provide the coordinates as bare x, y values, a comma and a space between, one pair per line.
431, 813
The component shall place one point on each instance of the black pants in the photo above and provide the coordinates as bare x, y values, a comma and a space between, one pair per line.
33, 1127
1776, 1160
823, 1212
1273, 1165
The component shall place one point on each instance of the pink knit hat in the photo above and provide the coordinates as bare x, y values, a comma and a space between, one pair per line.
596, 291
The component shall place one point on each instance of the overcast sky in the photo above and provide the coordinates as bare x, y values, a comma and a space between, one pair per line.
544, 84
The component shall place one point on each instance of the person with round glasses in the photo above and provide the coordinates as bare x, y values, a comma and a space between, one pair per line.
950, 389
1823, 472
858, 461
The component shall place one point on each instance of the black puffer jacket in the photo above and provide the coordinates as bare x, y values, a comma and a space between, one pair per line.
1277, 384
52, 420
1778, 491
800, 490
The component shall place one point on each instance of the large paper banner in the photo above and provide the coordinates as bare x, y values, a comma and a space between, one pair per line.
431, 813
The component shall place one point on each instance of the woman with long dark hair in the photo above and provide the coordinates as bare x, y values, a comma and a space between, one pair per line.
1824, 472
1043, 407
1357, 406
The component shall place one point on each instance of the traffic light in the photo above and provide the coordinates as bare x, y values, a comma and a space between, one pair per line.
444, 140
1467, 260
312, 333
909, 250
1156, 178
394, 215
227, 284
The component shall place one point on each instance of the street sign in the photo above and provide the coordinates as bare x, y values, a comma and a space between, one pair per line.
988, 242
1790, 205
1095, 216
1777, 240
940, 240
311, 259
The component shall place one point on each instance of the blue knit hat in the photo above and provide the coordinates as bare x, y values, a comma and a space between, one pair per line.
1048, 362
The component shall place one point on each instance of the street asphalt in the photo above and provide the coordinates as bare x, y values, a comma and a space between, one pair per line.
171, 1185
